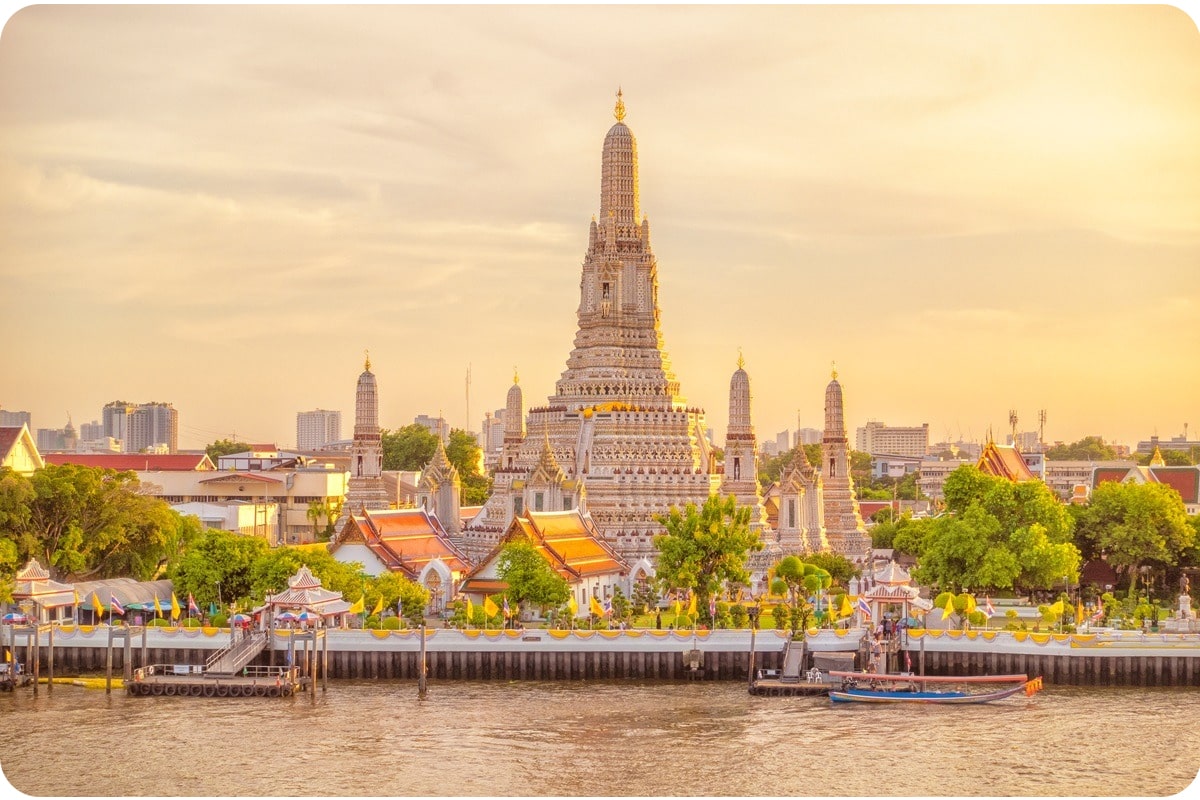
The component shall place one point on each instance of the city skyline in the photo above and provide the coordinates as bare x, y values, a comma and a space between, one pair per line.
968, 209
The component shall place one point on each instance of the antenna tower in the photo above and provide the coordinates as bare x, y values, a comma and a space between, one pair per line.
467, 427
1042, 428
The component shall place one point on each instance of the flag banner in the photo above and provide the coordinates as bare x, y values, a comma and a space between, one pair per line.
864, 607
846, 609
76, 597
175, 609
712, 607
692, 605
7, 655
470, 610
192, 607
988, 610
678, 608
949, 609
1079, 613
378, 607
96, 607
357, 607
490, 608
157, 606
573, 605
595, 607
1099, 614
507, 612
115, 605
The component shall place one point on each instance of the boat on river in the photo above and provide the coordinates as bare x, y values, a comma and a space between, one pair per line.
866, 687
13, 675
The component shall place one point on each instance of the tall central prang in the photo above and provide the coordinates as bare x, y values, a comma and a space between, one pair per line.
618, 355
616, 438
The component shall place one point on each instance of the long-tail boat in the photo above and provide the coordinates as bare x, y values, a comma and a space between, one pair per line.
870, 687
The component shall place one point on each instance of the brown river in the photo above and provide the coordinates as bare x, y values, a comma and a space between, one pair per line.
596, 738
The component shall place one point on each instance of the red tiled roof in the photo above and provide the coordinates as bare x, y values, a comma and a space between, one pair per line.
1113, 474
8, 437
1003, 462
1185, 480
175, 462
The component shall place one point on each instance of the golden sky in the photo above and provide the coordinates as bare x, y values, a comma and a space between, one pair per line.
970, 209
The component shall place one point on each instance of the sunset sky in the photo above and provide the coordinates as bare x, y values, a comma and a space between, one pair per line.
968, 209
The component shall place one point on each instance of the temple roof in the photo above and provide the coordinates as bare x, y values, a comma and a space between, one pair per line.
1004, 461
893, 574
306, 593
33, 583
11, 438
406, 539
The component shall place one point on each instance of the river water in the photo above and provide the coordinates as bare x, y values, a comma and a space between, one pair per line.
596, 738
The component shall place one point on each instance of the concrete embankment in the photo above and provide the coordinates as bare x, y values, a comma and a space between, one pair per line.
1107, 658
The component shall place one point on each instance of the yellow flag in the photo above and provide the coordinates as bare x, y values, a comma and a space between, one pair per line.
76, 597
378, 607
574, 606
970, 604
846, 609
949, 609
470, 610
692, 606
595, 607
490, 608
99, 609
175, 609
357, 608
157, 606
7, 655
1079, 613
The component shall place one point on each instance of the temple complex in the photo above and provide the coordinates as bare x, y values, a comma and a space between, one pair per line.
366, 489
740, 478
844, 527
616, 439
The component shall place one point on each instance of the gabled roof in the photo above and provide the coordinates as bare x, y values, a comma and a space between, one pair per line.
568, 540
406, 539
1114, 474
33, 582
1185, 480
146, 462
306, 593
1004, 461
12, 438
241, 477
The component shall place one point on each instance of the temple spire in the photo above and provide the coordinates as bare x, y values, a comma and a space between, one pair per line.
367, 362
619, 109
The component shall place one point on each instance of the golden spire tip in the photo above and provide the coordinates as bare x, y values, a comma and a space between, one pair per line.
619, 110
516, 377
741, 361
833, 368
367, 363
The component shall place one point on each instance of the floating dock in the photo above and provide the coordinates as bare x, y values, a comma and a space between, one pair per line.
166, 680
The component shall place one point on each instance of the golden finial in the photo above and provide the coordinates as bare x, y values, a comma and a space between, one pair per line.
833, 367
367, 363
619, 111
741, 361
516, 377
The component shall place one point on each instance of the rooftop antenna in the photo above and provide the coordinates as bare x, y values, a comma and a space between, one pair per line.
467, 427
1042, 428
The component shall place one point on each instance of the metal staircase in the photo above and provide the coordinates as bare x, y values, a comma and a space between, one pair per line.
239, 654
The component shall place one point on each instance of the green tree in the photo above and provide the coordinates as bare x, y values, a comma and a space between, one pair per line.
1137, 524
465, 454
221, 568
1172, 458
225, 447
409, 448
705, 547
394, 588
789, 577
840, 568
1089, 448
530, 577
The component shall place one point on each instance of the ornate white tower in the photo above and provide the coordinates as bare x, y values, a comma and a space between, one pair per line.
616, 424
440, 490
741, 446
366, 489
843, 523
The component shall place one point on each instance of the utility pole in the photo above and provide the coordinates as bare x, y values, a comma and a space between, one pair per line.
1042, 429
467, 427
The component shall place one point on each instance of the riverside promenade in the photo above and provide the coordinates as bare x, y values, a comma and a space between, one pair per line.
1099, 658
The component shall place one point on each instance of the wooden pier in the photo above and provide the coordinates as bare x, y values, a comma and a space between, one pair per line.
167, 680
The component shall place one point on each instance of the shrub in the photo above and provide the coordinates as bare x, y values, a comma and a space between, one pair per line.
738, 616
391, 624
220, 621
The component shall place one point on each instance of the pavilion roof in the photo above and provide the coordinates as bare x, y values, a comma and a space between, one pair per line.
33, 583
306, 593
1004, 461
893, 574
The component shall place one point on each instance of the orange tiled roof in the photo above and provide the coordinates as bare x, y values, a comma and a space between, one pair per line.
416, 537
1004, 462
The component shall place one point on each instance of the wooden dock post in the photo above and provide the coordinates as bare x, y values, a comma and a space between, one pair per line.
324, 660
37, 656
422, 669
108, 663
50, 662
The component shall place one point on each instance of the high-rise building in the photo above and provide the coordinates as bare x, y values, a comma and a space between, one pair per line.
436, 425
91, 431
14, 419
806, 436
142, 427
879, 438
615, 438
317, 428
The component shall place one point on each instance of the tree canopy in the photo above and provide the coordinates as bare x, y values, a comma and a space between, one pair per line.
1172, 458
1089, 448
225, 447
705, 547
87, 522
1136, 524
408, 448
530, 577
998, 535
